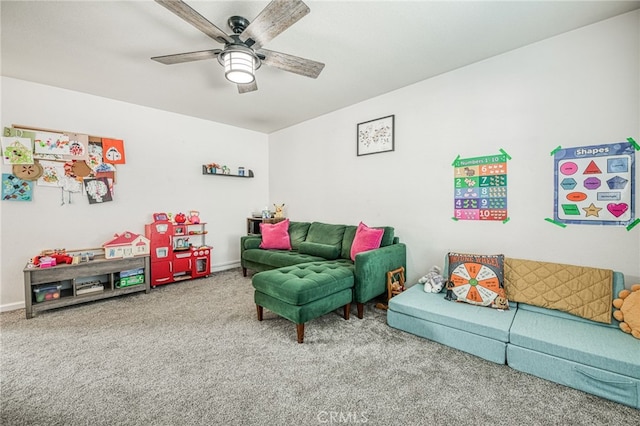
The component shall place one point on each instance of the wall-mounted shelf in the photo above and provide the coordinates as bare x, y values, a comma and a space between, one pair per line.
247, 174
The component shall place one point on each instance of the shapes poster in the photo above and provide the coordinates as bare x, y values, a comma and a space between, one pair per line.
594, 185
480, 188
16, 189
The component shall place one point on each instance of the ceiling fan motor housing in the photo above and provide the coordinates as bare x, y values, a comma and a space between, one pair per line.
237, 24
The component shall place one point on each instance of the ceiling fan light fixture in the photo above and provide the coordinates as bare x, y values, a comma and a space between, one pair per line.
239, 66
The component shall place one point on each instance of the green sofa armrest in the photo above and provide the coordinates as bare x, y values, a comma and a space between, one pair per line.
249, 242
371, 269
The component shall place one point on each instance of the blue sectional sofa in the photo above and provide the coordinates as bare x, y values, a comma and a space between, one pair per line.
590, 356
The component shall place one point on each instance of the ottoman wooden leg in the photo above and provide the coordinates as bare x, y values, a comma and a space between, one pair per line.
347, 309
260, 310
300, 330
360, 310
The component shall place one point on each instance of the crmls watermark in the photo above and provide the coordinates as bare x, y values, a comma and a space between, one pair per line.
332, 417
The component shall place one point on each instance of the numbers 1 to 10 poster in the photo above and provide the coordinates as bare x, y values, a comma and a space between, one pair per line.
480, 188
594, 185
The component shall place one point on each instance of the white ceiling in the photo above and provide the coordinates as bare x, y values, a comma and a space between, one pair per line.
369, 48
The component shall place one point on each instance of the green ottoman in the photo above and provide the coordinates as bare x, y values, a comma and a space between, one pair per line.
303, 292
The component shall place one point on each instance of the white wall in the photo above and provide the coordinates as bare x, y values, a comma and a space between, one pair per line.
579, 88
164, 153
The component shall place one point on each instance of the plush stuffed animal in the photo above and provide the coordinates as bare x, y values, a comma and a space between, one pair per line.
433, 281
628, 310
279, 211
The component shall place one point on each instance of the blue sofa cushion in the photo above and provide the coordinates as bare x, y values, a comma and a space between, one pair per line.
584, 342
433, 307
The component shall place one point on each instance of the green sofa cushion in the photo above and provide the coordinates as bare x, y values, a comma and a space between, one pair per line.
325, 233
347, 241
387, 237
326, 251
277, 258
301, 284
298, 233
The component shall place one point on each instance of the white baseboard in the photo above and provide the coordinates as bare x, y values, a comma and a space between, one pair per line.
11, 306
224, 266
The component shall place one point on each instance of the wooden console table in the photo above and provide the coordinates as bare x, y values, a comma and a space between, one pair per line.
70, 278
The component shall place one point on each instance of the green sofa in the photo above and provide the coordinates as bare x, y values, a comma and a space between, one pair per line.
323, 242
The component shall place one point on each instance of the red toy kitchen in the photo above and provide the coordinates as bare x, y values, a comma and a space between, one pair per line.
178, 249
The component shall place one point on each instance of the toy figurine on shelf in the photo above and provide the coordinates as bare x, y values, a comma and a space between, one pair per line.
279, 211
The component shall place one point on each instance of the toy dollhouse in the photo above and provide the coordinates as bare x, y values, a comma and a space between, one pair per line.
127, 244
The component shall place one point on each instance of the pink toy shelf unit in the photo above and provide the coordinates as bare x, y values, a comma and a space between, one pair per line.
178, 250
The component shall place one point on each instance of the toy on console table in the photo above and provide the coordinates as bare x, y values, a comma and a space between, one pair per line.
433, 281
127, 244
49, 258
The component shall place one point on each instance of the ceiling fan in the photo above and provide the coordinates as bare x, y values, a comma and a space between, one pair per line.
242, 53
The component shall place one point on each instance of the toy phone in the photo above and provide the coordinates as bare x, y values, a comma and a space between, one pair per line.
159, 217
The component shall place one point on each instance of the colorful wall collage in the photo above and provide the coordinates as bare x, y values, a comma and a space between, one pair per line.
74, 162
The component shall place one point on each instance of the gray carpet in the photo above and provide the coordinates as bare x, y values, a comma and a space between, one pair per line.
193, 353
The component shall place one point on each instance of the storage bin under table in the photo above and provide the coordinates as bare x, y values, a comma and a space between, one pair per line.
303, 292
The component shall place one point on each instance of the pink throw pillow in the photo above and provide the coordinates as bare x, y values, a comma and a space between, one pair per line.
366, 239
275, 235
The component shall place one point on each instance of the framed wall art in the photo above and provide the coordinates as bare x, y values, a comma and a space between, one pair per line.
376, 136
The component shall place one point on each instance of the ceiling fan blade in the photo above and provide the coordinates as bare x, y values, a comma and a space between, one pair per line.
248, 87
187, 57
274, 19
185, 12
286, 62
